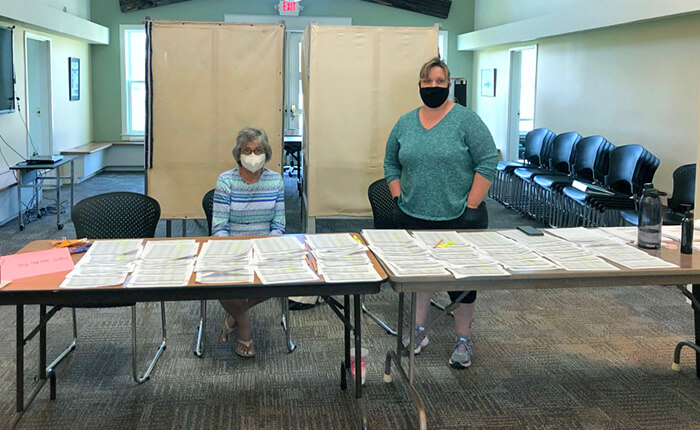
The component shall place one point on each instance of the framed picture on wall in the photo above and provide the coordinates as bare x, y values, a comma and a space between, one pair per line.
74, 78
488, 82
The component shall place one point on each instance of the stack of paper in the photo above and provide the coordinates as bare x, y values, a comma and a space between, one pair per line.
565, 253
166, 263
106, 263
613, 247
225, 261
403, 254
512, 255
281, 260
341, 258
460, 258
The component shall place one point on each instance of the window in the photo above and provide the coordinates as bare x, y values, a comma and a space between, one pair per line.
442, 45
527, 90
133, 55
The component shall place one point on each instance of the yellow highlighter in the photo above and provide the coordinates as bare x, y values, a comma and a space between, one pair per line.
444, 245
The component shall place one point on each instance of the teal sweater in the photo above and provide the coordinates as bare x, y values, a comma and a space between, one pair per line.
436, 167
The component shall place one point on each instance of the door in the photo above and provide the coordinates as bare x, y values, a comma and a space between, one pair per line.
521, 97
38, 114
293, 99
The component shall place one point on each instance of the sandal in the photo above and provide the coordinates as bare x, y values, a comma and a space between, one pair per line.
244, 348
228, 331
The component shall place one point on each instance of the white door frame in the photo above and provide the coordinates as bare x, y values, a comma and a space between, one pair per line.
512, 114
42, 38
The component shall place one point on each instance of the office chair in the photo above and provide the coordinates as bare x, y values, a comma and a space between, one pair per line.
118, 215
683, 193
208, 207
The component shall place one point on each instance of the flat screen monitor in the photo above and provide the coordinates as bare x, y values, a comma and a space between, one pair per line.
7, 72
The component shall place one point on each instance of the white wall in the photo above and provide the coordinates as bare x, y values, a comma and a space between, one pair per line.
72, 120
79, 8
633, 84
489, 13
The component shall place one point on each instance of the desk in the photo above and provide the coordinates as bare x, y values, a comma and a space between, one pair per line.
24, 168
43, 290
688, 272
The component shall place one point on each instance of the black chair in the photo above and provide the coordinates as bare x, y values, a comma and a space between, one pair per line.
208, 208
591, 158
682, 196
535, 200
617, 192
383, 205
538, 150
119, 215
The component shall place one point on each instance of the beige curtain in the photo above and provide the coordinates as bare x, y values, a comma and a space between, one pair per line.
209, 81
357, 82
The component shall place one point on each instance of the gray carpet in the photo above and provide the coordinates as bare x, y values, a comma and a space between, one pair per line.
584, 358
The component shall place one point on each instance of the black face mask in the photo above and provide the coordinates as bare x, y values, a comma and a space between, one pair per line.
434, 96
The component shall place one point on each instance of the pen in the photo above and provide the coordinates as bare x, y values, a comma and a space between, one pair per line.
437, 244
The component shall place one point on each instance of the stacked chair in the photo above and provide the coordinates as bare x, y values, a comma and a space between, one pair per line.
560, 163
566, 180
538, 147
591, 159
683, 195
629, 168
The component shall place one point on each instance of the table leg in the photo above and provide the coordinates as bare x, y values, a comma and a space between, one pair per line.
412, 336
346, 359
168, 228
72, 185
20, 358
357, 308
396, 358
42, 342
696, 314
58, 200
37, 196
19, 199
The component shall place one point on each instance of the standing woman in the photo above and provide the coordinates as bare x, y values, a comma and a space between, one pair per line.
248, 201
439, 163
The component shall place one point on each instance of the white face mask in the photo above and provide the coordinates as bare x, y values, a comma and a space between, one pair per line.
253, 162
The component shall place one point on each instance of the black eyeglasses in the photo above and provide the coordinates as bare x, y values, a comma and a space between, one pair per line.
256, 151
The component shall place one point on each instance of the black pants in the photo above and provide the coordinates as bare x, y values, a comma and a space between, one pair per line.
471, 219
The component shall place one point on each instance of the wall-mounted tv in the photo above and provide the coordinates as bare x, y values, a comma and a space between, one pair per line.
7, 72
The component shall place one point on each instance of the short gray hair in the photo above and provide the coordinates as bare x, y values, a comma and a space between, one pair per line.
251, 134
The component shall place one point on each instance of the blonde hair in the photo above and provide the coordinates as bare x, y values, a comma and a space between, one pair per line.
434, 62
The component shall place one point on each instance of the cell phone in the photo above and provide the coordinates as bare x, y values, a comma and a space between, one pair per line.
530, 231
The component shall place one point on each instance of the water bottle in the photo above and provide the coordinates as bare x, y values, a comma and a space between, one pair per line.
650, 218
687, 231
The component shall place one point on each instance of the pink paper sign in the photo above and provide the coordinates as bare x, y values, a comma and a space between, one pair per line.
36, 263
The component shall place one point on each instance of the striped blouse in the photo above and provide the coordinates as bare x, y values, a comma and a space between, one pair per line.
248, 209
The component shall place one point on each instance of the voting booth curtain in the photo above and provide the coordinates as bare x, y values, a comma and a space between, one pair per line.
205, 82
357, 82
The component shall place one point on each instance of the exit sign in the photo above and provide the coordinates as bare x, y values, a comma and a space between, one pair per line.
290, 7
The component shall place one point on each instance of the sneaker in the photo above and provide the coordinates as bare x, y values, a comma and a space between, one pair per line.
420, 341
462, 353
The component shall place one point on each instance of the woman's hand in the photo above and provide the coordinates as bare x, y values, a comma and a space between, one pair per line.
395, 188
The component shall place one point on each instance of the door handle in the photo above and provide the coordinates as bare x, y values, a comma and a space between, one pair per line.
293, 111
38, 111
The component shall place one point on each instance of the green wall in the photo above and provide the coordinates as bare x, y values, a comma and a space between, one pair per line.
106, 90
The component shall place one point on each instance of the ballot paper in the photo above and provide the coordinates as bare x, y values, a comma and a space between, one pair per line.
341, 258
170, 249
106, 263
403, 254
164, 263
225, 262
90, 281
281, 259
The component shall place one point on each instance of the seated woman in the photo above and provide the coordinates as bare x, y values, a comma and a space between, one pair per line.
248, 201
